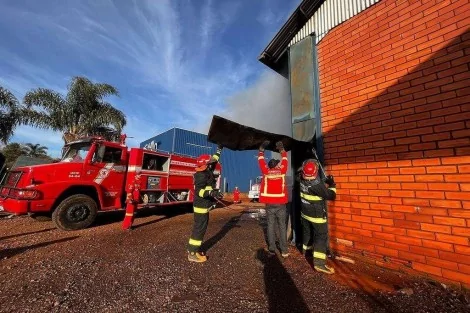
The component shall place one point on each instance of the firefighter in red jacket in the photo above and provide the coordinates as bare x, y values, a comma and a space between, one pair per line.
313, 194
273, 192
205, 196
236, 195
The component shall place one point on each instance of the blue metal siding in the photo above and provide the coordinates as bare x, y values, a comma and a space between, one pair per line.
164, 141
191, 143
238, 167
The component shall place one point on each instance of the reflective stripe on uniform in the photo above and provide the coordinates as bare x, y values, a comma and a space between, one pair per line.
310, 197
274, 175
129, 214
269, 195
307, 247
194, 242
333, 189
260, 157
265, 189
201, 192
200, 210
283, 182
285, 159
319, 255
315, 220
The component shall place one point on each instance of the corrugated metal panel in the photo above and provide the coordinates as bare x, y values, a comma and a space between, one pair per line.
238, 166
330, 14
163, 141
302, 93
192, 143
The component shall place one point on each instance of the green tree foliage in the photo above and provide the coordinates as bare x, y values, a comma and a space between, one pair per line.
34, 150
14, 150
10, 114
11, 152
82, 112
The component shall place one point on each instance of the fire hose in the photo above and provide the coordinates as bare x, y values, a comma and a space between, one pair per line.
319, 162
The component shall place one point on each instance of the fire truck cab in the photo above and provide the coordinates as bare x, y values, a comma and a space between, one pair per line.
92, 176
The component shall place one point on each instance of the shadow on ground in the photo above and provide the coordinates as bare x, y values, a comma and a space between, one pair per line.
282, 293
8, 253
105, 218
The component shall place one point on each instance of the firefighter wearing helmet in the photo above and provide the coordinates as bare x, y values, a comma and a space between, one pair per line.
205, 196
313, 194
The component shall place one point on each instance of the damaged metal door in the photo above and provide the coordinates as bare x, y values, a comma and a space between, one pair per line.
305, 97
239, 137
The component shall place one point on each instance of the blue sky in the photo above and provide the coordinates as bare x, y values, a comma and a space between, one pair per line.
175, 63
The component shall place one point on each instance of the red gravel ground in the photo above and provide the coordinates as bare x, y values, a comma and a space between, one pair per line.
105, 269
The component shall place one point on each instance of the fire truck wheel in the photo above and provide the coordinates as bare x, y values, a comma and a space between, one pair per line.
75, 212
41, 217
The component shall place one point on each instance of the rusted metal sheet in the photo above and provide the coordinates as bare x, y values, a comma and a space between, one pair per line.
239, 137
301, 65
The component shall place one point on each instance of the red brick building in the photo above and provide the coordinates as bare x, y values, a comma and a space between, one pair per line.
383, 88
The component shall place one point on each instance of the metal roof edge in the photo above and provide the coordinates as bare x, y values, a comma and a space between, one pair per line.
278, 45
191, 131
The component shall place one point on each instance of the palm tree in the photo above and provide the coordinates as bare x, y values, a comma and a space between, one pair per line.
34, 150
82, 112
9, 114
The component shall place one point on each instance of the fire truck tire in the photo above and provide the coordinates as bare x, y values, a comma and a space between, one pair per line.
41, 217
75, 212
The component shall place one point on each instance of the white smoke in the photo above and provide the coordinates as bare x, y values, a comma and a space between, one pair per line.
265, 105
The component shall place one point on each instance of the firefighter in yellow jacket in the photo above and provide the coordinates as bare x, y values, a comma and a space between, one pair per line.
205, 196
313, 195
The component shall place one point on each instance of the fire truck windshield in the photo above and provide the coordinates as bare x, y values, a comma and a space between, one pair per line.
76, 152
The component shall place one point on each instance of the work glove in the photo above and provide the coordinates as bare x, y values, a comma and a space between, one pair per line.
330, 180
279, 146
216, 194
264, 145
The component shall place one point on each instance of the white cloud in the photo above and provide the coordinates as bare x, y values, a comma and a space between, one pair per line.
174, 50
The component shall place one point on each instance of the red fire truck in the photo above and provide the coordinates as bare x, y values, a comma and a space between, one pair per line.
93, 175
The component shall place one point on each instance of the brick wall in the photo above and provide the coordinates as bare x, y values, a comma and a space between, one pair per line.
395, 92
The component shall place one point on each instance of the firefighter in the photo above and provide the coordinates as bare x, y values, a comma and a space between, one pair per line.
273, 192
236, 195
132, 200
205, 196
313, 194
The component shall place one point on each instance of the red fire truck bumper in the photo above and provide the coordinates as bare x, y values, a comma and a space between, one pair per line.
22, 206
13, 206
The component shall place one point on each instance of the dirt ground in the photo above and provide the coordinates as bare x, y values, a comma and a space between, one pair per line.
105, 269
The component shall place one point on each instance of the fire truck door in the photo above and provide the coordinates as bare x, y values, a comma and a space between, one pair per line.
107, 171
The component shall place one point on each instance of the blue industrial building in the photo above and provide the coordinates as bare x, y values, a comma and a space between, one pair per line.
238, 167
